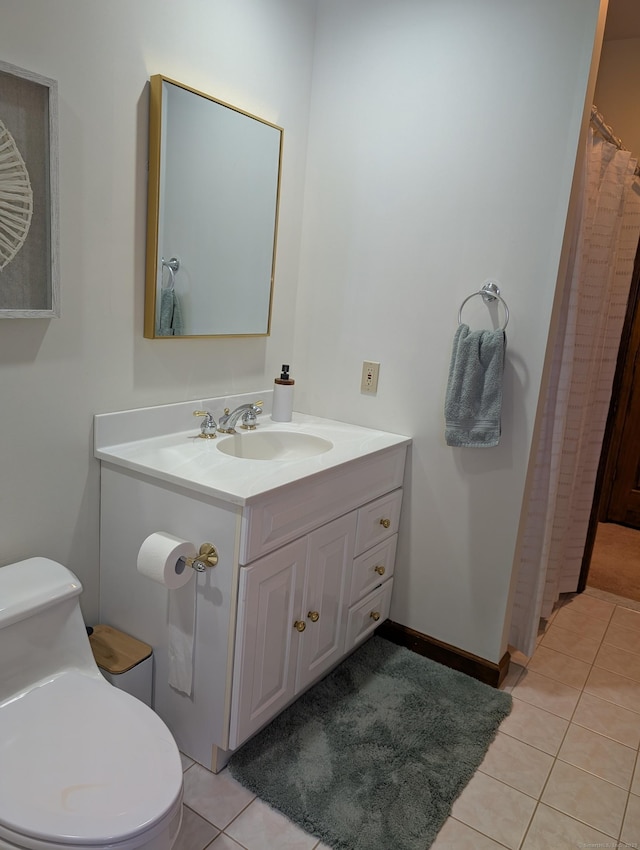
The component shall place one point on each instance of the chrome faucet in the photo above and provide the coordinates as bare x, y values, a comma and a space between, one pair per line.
249, 414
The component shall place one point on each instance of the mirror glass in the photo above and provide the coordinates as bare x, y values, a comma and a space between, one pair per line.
214, 181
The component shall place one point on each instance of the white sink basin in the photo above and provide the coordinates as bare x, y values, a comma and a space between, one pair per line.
273, 445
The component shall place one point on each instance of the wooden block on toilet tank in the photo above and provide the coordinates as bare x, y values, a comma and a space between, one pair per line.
116, 651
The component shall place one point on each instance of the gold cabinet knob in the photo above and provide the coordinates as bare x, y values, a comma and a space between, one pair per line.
385, 523
314, 616
300, 625
379, 569
375, 615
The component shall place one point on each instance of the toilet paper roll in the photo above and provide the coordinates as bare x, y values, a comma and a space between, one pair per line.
159, 559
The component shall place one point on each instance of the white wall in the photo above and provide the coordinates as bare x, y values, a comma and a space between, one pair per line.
430, 170
55, 374
443, 137
618, 90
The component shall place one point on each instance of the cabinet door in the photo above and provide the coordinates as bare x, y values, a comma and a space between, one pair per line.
328, 577
269, 602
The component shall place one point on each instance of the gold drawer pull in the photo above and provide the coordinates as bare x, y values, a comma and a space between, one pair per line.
300, 625
385, 523
314, 616
379, 569
375, 615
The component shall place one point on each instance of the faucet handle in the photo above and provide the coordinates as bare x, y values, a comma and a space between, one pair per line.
250, 416
208, 427
250, 420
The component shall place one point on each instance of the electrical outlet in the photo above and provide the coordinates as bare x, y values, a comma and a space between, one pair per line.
370, 372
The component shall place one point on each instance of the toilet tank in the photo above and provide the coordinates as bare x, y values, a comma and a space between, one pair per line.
42, 633
31, 586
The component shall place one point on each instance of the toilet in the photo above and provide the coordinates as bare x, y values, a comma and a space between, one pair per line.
83, 764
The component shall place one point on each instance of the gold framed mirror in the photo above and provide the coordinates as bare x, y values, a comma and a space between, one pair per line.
212, 217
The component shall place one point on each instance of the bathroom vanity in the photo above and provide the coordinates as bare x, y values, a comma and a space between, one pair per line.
304, 517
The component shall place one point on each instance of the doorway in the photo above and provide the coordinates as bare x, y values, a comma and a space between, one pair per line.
611, 560
613, 537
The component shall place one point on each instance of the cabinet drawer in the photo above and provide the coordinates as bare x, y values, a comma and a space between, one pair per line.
372, 568
378, 520
289, 512
369, 613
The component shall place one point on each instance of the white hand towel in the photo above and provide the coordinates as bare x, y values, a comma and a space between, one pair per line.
473, 403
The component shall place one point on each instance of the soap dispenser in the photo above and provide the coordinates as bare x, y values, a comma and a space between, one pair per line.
282, 407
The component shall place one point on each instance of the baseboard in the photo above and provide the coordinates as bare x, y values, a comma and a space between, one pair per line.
486, 671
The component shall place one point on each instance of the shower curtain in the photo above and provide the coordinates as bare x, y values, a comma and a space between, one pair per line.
577, 402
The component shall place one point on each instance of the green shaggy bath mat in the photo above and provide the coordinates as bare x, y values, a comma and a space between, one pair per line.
374, 755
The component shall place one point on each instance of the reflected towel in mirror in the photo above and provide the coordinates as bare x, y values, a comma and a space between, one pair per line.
170, 314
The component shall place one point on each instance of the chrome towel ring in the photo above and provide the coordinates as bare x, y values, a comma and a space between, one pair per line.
489, 292
173, 265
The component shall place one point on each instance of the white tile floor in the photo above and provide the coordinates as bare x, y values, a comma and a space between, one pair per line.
562, 773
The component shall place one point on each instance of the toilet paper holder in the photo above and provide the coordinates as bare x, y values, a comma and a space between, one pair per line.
207, 557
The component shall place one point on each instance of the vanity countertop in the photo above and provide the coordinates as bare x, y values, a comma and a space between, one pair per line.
183, 459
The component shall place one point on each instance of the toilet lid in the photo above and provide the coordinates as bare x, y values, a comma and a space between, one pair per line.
84, 763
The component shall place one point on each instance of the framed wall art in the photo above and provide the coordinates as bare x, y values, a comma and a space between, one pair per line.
29, 261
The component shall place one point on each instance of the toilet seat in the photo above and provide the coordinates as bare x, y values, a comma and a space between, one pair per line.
85, 765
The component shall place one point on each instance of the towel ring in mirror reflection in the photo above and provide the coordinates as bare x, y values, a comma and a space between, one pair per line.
173, 265
489, 292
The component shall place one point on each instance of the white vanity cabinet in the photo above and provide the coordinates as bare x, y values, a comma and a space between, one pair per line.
305, 569
302, 608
